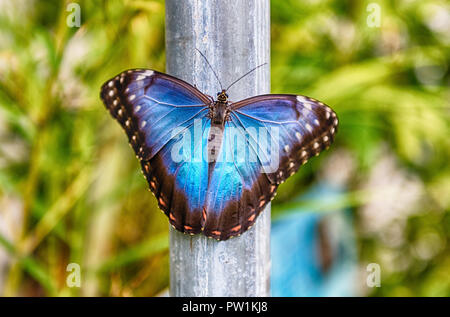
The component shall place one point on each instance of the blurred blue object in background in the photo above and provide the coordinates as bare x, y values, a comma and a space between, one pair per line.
314, 252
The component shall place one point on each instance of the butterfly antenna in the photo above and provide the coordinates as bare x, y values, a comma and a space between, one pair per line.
217, 77
245, 75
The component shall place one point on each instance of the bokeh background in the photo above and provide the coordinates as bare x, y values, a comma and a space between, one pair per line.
71, 190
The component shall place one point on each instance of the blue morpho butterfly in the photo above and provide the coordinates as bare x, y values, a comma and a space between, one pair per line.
213, 165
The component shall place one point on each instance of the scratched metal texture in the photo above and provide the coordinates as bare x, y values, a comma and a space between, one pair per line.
235, 37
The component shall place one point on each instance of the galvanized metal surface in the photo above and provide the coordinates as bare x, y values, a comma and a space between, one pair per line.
235, 37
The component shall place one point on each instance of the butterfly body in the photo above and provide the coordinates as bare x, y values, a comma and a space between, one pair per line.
214, 165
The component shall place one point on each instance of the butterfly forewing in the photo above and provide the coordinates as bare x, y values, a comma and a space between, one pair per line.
149, 104
300, 127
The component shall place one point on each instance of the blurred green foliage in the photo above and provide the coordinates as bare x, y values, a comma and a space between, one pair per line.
71, 189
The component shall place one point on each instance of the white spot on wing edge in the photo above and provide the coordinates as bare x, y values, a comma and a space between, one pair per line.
305, 102
145, 74
302, 99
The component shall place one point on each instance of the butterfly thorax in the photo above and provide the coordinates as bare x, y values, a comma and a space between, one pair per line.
220, 109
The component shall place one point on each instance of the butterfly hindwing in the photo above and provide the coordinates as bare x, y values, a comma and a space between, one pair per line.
179, 178
238, 188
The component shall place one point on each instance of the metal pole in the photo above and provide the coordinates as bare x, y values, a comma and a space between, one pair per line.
234, 36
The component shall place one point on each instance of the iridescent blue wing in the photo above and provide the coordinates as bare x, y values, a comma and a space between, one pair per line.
157, 111
149, 104
238, 187
279, 133
178, 176
303, 127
